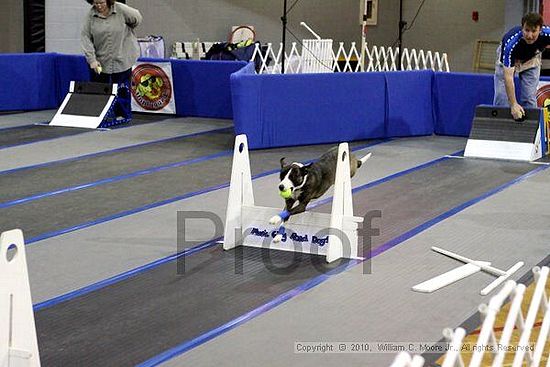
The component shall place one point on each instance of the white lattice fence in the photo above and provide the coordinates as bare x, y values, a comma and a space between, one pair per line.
529, 348
318, 56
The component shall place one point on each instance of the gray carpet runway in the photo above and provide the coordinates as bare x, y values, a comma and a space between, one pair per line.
112, 327
44, 152
75, 207
380, 307
412, 200
116, 246
140, 317
177, 300
121, 162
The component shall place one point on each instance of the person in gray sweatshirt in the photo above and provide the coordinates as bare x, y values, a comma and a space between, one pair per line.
110, 45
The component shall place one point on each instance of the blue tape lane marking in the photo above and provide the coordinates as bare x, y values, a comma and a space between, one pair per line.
184, 347
8, 204
413, 232
205, 245
130, 273
40, 165
136, 271
385, 179
147, 171
153, 205
125, 275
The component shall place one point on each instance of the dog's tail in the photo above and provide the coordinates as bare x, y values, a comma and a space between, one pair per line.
361, 161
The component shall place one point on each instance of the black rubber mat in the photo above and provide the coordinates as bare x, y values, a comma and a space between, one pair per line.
86, 104
497, 124
105, 165
417, 197
76, 207
134, 320
34, 133
139, 318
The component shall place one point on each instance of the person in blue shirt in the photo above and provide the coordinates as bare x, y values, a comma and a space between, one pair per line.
520, 52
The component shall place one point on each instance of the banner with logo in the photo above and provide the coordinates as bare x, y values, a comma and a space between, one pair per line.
152, 88
543, 101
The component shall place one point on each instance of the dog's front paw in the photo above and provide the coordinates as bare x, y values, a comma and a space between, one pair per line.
277, 238
275, 220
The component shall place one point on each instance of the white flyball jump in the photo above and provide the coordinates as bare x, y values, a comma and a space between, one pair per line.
496, 135
332, 235
18, 343
87, 105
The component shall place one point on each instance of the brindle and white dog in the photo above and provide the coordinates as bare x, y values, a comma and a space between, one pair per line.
308, 182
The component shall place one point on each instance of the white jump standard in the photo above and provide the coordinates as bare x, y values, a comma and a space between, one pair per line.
332, 235
18, 343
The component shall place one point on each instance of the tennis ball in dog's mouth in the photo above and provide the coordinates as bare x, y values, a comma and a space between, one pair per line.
285, 194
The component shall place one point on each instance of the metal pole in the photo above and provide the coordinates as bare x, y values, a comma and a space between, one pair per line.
363, 36
284, 20
402, 25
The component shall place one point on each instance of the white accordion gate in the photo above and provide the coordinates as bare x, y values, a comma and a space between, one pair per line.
528, 351
316, 56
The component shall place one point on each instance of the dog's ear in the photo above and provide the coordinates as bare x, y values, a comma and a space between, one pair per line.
305, 169
283, 164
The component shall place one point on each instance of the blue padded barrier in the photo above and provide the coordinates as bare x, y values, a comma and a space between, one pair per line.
296, 109
41, 81
455, 97
409, 103
246, 102
202, 87
29, 82
69, 68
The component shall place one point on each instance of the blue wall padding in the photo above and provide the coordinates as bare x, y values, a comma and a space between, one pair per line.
246, 102
409, 103
296, 109
69, 68
455, 97
202, 87
279, 110
41, 81
29, 82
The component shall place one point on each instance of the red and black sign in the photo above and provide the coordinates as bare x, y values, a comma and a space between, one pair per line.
151, 87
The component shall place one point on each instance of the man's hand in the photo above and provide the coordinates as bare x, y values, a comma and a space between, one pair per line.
96, 66
517, 111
